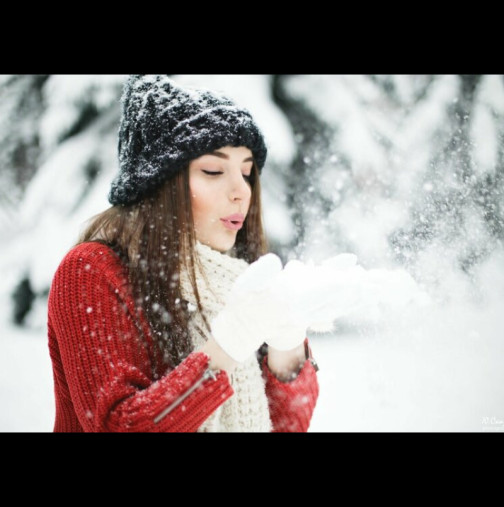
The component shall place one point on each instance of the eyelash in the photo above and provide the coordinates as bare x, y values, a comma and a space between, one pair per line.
216, 173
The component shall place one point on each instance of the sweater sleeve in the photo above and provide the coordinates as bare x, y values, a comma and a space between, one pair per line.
105, 364
291, 403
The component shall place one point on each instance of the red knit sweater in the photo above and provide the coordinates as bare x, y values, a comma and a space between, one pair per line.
102, 369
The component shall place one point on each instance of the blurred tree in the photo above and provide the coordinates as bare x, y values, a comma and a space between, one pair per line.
21, 106
398, 169
458, 207
313, 142
56, 132
23, 297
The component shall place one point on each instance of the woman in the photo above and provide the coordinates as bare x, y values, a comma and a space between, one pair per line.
158, 317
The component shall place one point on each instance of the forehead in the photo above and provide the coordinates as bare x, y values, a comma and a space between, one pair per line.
239, 154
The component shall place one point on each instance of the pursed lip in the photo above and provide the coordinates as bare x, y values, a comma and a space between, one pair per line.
233, 222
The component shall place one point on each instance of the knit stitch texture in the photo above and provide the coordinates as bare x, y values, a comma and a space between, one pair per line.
102, 367
247, 409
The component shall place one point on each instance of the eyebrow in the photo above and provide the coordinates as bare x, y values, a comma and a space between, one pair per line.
223, 155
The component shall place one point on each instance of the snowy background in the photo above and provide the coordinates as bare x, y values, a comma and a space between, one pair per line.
404, 171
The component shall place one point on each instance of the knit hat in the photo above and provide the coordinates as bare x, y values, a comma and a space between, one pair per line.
163, 127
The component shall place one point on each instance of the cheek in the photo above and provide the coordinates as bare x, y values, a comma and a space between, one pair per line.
200, 203
249, 197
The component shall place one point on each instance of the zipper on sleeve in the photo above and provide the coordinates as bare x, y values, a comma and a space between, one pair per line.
207, 374
309, 356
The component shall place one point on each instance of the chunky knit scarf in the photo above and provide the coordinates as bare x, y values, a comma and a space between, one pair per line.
247, 410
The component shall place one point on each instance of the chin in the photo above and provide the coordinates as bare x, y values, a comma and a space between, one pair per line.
224, 246
221, 244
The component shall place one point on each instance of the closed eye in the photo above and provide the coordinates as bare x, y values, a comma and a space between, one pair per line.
212, 173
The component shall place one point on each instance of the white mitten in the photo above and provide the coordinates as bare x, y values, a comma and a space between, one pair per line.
265, 305
240, 328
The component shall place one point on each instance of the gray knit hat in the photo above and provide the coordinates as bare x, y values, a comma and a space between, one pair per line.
163, 127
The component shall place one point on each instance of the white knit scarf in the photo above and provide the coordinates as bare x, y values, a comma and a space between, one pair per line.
247, 410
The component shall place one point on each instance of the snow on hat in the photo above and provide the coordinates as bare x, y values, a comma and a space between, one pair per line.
164, 126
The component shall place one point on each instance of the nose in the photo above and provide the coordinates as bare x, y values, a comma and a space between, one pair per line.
239, 189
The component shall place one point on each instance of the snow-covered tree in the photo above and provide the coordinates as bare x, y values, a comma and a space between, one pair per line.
21, 106
65, 127
401, 170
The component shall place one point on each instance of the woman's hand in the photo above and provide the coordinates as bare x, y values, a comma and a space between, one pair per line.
285, 364
219, 359
242, 325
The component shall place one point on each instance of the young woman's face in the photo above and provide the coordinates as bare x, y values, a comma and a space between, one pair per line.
220, 195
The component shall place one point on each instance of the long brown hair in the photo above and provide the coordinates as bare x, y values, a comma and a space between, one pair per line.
155, 240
